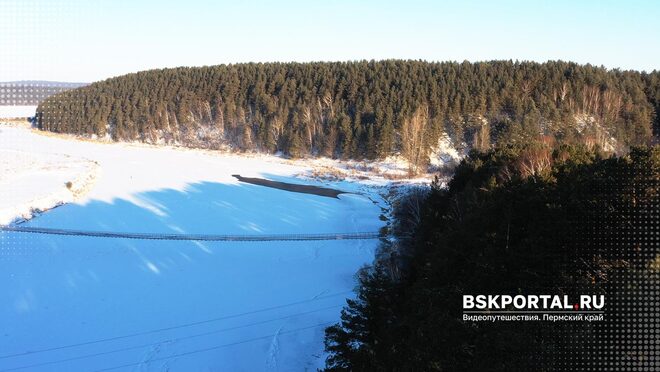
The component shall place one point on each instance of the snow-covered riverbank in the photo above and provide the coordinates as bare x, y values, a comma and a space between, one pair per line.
31, 183
82, 303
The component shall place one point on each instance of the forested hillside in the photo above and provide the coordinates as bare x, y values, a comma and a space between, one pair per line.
514, 220
364, 109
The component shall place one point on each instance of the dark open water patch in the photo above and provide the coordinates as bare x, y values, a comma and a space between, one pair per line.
293, 187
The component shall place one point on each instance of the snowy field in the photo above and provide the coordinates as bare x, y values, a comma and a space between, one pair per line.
34, 182
72, 303
11, 112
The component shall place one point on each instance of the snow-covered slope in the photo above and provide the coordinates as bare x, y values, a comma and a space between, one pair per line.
81, 303
30, 183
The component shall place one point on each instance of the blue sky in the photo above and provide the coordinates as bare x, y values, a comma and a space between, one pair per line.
76, 40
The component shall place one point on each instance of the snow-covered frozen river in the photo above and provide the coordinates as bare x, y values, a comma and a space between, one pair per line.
81, 304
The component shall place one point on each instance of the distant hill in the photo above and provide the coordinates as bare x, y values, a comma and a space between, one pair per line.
365, 109
31, 92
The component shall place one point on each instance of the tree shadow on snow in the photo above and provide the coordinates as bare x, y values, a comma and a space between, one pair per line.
141, 284
203, 208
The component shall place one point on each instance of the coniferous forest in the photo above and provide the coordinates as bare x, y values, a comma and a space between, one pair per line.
366, 109
514, 220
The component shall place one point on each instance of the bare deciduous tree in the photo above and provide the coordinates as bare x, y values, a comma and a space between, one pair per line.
412, 140
533, 161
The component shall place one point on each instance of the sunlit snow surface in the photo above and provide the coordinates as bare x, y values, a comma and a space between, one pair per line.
84, 304
32, 182
17, 111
